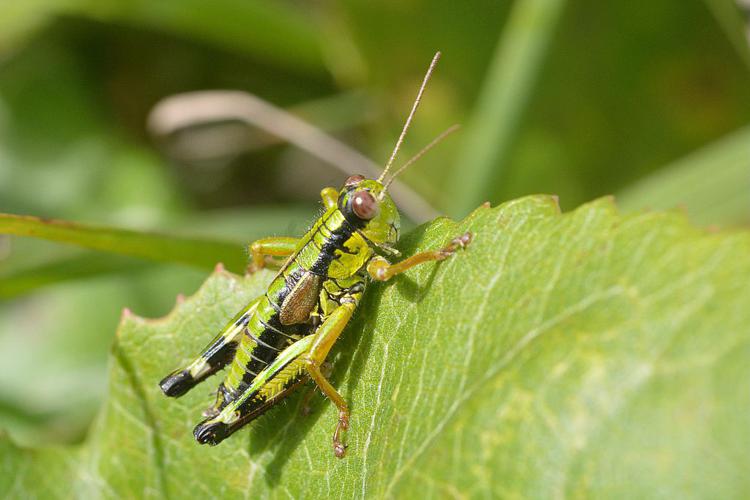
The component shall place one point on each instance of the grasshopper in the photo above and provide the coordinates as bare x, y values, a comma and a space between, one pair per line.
282, 338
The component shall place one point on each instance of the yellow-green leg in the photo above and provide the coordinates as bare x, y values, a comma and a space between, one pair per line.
330, 197
263, 251
381, 270
306, 407
325, 337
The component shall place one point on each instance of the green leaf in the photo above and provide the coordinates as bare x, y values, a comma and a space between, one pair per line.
586, 354
18, 20
154, 246
274, 32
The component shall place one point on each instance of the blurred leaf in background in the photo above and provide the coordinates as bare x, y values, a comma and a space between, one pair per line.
576, 98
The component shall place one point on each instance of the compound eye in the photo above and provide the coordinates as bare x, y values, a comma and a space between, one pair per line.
353, 180
364, 205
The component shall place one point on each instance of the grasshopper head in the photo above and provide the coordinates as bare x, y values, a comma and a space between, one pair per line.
366, 204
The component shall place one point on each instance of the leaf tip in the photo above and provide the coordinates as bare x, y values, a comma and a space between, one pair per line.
555, 200
605, 203
219, 268
544, 204
478, 211
129, 315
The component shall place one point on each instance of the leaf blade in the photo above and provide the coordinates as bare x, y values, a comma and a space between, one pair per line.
557, 349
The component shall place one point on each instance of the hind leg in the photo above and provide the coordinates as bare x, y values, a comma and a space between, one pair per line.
213, 358
269, 387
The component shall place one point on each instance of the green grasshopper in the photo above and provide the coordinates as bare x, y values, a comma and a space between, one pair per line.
282, 338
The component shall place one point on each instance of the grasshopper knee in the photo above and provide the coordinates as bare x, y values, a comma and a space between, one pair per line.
211, 433
178, 383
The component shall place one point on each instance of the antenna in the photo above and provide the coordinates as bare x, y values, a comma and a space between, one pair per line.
414, 107
424, 150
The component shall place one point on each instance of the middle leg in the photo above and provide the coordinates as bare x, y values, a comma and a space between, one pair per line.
306, 407
325, 337
329, 196
263, 251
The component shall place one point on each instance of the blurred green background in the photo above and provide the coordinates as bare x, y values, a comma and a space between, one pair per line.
649, 101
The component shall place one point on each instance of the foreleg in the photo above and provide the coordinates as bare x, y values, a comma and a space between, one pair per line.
381, 270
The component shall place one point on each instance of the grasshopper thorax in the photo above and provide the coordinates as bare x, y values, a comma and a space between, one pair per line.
366, 205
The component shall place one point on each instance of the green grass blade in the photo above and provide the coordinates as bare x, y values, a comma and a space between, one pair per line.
19, 275
713, 183
86, 265
274, 32
505, 92
729, 17
197, 252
